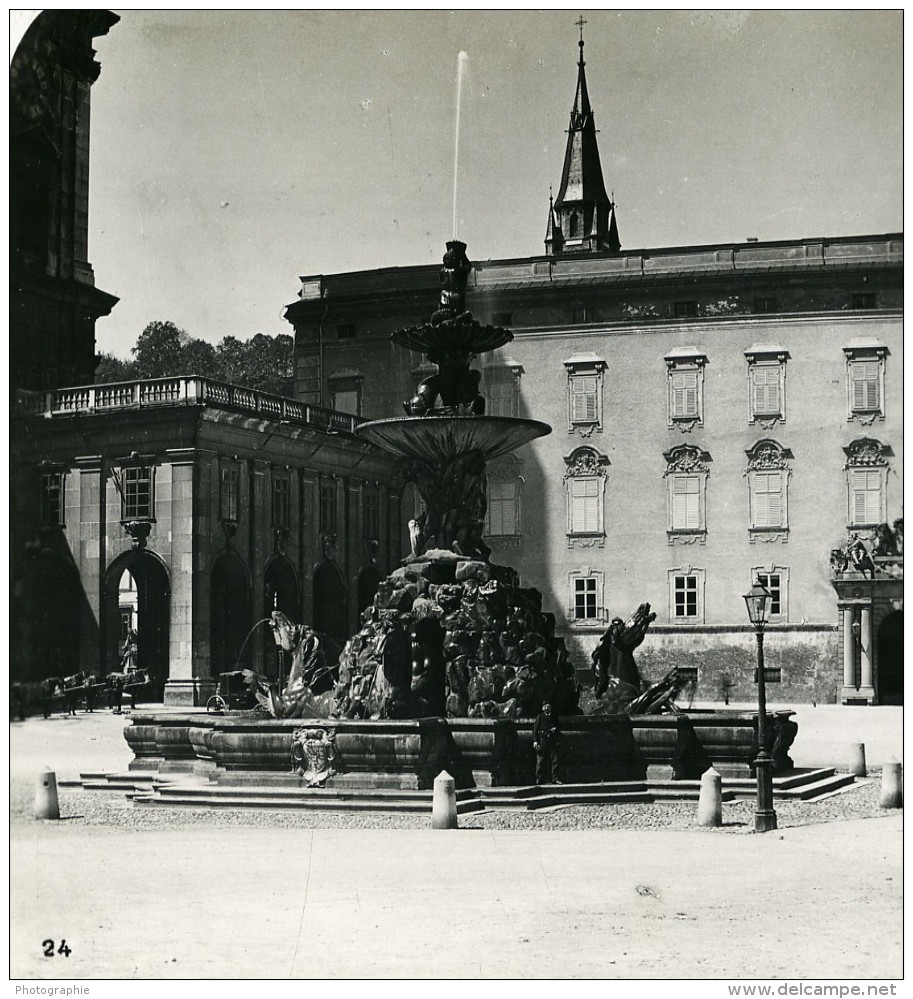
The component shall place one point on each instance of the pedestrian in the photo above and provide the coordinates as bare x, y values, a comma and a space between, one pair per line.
546, 734
48, 687
117, 690
90, 693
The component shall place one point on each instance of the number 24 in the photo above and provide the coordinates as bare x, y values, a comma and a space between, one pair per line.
48, 946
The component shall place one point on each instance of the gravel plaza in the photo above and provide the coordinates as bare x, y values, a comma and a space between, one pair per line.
565, 893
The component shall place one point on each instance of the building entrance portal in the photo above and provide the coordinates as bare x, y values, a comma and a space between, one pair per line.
138, 588
890, 659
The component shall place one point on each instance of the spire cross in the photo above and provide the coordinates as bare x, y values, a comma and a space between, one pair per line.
580, 23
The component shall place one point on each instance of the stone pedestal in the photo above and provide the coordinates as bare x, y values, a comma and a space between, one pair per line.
189, 693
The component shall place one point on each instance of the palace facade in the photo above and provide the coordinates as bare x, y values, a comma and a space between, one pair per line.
720, 413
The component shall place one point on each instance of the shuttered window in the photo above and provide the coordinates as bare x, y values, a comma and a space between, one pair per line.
866, 496
584, 399
684, 394
768, 499
866, 386
502, 393
686, 505
52, 499
765, 391
503, 519
281, 501
328, 507
228, 492
371, 511
585, 499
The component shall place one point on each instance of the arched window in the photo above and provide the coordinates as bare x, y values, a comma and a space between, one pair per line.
686, 474
573, 225
768, 475
585, 481
866, 471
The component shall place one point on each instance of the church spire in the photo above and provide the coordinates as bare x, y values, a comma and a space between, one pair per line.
584, 215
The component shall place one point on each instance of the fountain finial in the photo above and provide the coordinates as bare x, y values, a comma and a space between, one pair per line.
454, 278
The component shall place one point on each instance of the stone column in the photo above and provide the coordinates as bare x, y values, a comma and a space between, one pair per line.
311, 542
866, 682
849, 649
181, 687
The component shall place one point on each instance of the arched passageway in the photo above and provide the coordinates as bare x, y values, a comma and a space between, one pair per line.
229, 612
144, 577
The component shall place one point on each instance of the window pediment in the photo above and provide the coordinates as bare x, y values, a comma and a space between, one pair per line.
767, 454
584, 461
687, 458
866, 452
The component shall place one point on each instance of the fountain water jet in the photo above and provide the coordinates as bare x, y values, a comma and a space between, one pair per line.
462, 59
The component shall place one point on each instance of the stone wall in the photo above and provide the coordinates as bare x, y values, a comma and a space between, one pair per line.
802, 664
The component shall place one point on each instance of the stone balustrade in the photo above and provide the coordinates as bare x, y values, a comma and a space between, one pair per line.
182, 390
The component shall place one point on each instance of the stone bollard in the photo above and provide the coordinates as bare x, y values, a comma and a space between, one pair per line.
857, 759
443, 806
46, 804
891, 785
710, 802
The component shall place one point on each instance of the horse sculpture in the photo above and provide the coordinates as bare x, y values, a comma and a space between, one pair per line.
309, 691
614, 655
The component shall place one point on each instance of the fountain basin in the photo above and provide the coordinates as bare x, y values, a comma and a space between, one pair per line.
439, 439
245, 747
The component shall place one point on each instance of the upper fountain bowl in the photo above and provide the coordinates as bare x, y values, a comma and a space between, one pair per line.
443, 438
457, 334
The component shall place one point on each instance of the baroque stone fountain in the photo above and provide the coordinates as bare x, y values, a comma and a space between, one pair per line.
454, 658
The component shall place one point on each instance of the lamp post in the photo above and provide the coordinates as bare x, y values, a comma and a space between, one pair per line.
757, 600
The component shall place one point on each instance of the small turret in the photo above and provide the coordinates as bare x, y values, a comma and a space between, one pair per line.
583, 213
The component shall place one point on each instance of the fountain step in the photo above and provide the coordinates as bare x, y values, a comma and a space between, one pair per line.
298, 793
550, 800
270, 800
809, 791
804, 785
121, 781
533, 790
691, 793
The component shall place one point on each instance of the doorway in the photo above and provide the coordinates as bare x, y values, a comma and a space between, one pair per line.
890, 659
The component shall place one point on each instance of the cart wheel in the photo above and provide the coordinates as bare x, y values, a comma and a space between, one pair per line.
216, 705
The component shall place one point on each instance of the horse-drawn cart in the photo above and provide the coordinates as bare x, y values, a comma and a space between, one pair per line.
232, 694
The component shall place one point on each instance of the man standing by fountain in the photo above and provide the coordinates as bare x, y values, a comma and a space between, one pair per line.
545, 741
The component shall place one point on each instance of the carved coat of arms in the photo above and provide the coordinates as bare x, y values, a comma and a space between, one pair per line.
314, 755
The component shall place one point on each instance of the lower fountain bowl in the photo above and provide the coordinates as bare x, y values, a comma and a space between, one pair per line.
476, 752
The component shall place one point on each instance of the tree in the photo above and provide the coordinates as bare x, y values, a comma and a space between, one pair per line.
269, 363
113, 369
159, 350
200, 358
163, 349
231, 352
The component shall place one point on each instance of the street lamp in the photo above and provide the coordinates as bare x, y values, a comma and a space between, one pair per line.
757, 600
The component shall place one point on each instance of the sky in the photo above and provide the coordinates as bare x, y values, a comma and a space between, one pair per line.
232, 151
